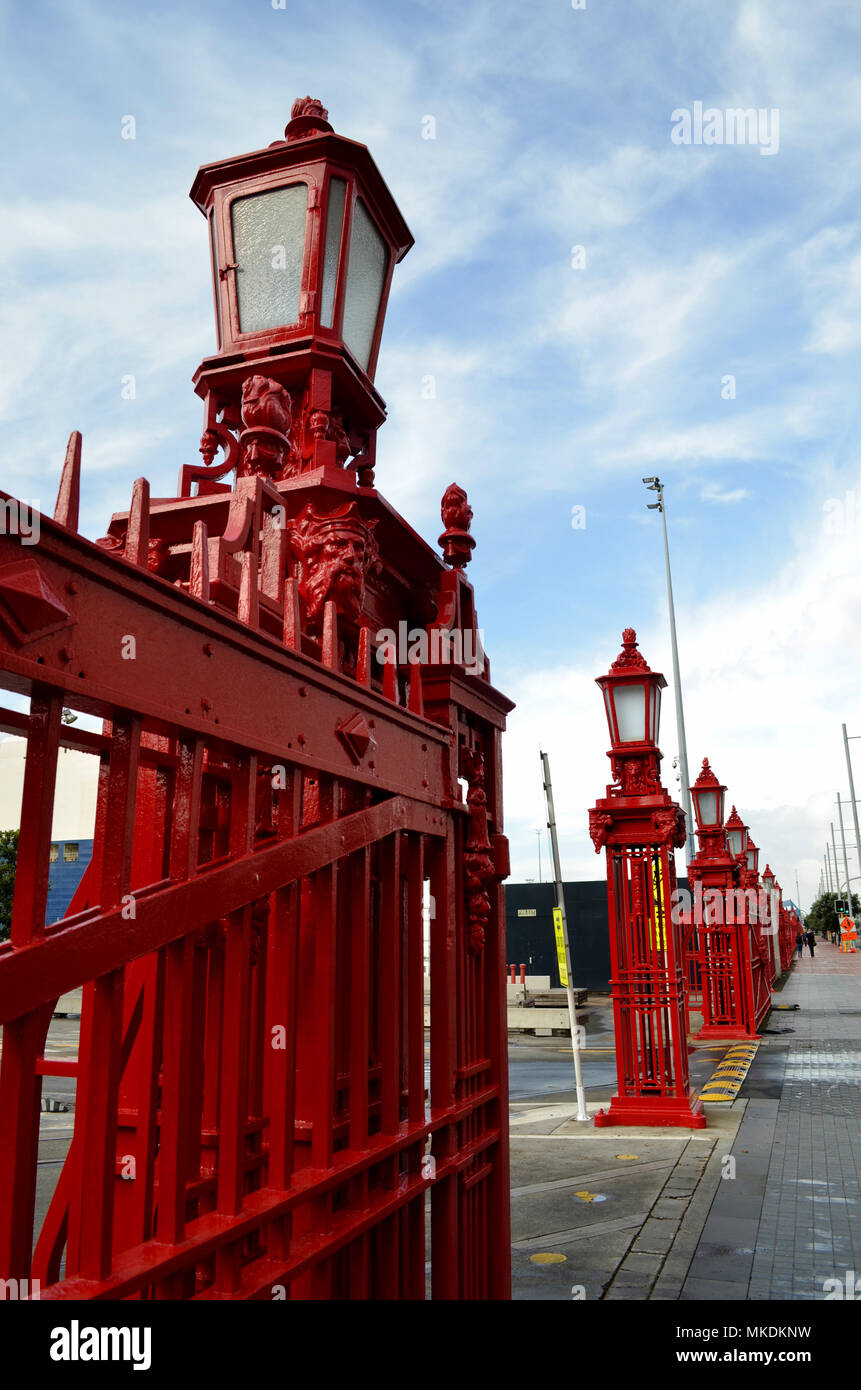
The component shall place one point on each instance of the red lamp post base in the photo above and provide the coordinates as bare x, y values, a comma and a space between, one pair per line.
731, 1031
686, 1111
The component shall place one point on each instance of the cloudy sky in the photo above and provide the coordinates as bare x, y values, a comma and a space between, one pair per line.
707, 330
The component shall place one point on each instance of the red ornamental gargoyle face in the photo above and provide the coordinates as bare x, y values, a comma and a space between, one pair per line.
336, 551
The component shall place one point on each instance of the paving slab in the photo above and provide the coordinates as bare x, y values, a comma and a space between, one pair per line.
791, 1217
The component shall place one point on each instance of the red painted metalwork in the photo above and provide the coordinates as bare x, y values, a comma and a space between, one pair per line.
639, 825
788, 921
720, 929
279, 806
763, 971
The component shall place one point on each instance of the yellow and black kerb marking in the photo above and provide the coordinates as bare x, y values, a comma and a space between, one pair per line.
725, 1081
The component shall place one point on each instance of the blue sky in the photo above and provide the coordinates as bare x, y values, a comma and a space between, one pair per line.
555, 386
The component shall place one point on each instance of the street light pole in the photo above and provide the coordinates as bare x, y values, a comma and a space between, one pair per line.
845, 860
836, 874
655, 485
852, 793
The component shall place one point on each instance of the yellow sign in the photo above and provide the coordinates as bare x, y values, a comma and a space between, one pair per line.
658, 891
560, 946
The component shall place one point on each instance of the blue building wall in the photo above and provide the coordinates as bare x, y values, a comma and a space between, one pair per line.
66, 872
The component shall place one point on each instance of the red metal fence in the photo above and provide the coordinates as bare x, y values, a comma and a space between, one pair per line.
275, 804
732, 964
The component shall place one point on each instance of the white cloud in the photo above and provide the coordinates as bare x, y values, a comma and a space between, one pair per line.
712, 493
768, 677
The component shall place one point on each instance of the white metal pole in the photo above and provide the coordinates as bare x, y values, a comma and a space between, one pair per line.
852, 794
582, 1113
845, 859
828, 868
690, 849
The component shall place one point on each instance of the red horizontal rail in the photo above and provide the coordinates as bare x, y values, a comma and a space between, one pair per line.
68, 956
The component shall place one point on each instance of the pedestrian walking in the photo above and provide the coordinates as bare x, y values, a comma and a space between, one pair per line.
799, 945
811, 942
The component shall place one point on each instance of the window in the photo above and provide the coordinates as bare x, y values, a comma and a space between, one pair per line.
54, 854
70, 852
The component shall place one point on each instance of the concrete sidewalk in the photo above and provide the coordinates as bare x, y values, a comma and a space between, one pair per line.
642, 1213
792, 1218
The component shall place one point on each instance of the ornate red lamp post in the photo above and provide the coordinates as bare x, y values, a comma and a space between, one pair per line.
719, 935
777, 914
754, 947
736, 834
304, 236
640, 825
762, 923
275, 791
790, 925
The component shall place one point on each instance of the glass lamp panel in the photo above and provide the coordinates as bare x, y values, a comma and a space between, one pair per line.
609, 708
269, 249
720, 810
707, 808
750, 857
215, 276
332, 249
630, 702
734, 841
656, 712
366, 275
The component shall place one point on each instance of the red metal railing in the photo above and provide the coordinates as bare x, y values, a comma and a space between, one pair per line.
251, 1115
